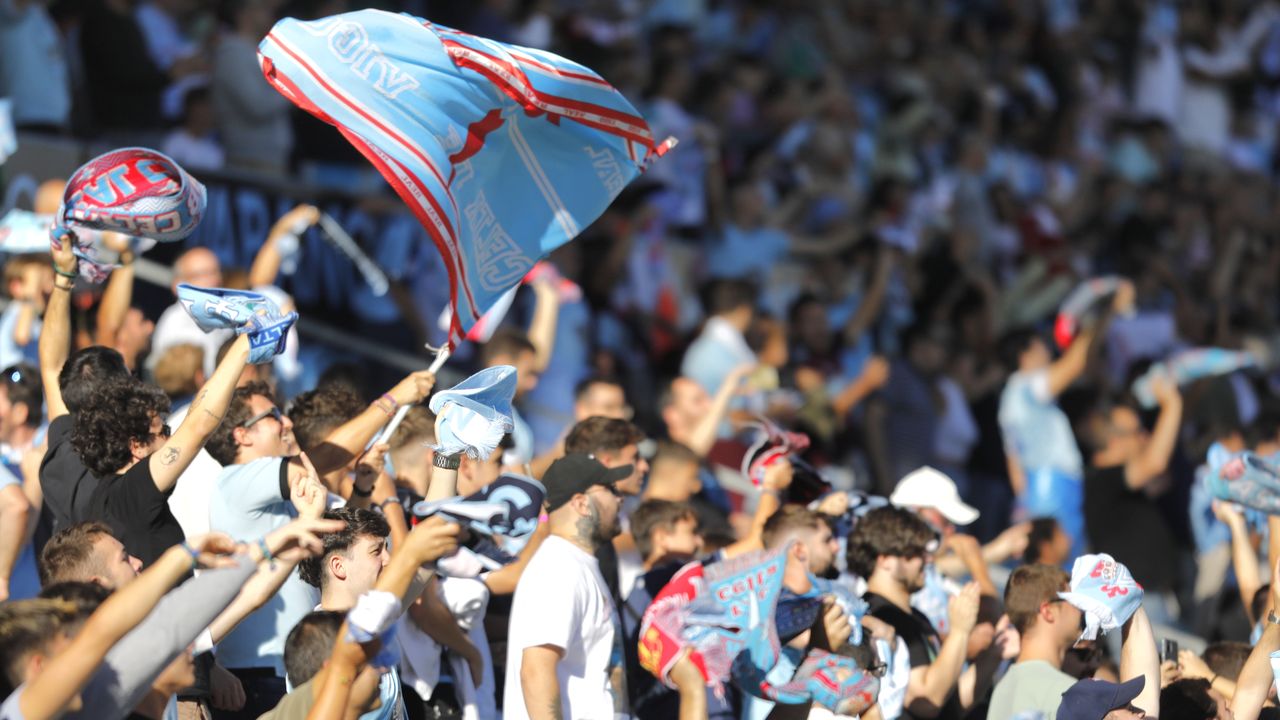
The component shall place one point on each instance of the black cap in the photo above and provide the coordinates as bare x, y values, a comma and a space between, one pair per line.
1091, 699
573, 474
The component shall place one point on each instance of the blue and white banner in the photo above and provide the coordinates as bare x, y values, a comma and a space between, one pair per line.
502, 153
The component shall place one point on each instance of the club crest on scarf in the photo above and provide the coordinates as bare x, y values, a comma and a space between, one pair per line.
503, 153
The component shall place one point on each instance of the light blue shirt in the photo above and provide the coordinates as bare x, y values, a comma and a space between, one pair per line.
247, 505
1035, 429
717, 351
746, 254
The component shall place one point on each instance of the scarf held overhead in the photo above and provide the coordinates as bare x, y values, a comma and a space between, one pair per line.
502, 153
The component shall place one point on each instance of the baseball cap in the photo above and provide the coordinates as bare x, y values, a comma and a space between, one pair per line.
927, 487
576, 473
1091, 699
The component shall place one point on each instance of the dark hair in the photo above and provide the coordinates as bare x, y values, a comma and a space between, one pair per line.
601, 434
886, 531
318, 412
505, 343
22, 385
222, 441
1264, 428
654, 514
723, 296
1012, 344
1042, 531
310, 643
86, 596
1188, 699
66, 554
787, 519
583, 387
114, 415
27, 626
1226, 658
361, 522
1096, 428
85, 370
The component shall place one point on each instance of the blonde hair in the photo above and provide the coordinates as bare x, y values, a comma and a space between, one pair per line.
28, 626
177, 368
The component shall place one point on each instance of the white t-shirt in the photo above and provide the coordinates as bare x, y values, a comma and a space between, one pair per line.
9, 710
175, 327
189, 502
562, 600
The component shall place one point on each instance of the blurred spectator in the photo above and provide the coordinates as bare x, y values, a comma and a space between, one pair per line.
253, 119
192, 144
33, 67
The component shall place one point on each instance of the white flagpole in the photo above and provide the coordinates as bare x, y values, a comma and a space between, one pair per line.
441, 356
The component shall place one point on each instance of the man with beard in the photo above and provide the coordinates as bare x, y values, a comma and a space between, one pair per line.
890, 547
561, 639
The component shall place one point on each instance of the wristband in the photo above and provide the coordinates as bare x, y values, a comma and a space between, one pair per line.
68, 287
393, 500
357, 492
59, 271
266, 551
194, 553
378, 404
394, 405
447, 462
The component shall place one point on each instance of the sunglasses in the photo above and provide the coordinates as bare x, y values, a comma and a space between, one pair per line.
272, 413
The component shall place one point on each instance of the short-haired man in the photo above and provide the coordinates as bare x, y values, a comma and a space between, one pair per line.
599, 396
890, 547
561, 637
87, 552
256, 447
1048, 627
200, 267
350, 565
722, 345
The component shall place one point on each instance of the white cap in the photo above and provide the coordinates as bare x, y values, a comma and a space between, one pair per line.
930, 488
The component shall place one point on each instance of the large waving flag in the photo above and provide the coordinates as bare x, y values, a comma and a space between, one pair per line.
503, 153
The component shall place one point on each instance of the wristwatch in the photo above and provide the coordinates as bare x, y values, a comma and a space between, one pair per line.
447, 462
357, 492
1271, 618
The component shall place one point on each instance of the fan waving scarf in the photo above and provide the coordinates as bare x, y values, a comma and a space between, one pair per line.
503, 153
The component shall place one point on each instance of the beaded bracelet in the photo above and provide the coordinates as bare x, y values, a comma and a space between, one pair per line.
194, 553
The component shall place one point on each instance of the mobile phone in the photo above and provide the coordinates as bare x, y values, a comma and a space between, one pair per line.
1168, 650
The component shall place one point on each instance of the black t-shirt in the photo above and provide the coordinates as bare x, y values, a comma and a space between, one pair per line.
922, 642
137, 512
67, 485
1128, 526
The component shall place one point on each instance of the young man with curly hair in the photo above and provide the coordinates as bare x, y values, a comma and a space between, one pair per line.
121, 436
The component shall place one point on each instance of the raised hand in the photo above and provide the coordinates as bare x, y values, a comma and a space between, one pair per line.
414, 388
298, 539
213, 550
963, 609
307, 493
432, 539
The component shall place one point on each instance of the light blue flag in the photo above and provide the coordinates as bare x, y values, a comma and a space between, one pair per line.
503, 153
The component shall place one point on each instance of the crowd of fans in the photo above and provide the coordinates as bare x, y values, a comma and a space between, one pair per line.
856, 254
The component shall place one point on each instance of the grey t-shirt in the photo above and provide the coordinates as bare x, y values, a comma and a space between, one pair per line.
1030, 686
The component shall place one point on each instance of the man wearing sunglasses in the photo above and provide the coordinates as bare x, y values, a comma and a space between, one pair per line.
561, 642
261, 471
1048, 627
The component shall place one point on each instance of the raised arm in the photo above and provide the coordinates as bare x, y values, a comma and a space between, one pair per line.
1072, 364
48, 695
206, 412
1139, 657
930, 685
350, 439
1255, 681
117, 296
1154, 459
266, 264
1244, 559
704, 435
55, 336
777, 478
